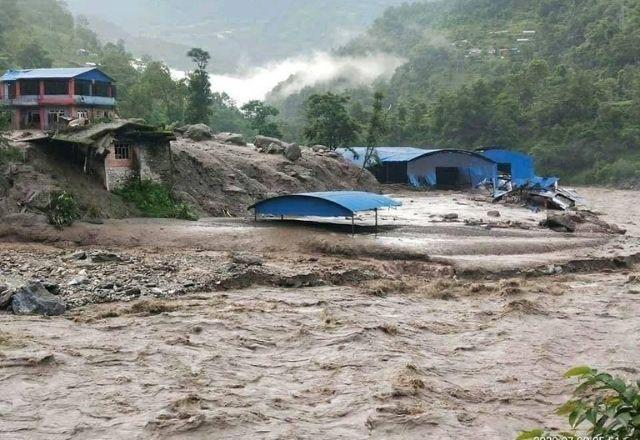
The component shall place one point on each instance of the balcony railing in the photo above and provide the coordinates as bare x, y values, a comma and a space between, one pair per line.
37, 100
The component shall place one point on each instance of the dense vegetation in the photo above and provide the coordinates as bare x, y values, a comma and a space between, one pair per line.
238, 33
605, 407
155, 200
557, 78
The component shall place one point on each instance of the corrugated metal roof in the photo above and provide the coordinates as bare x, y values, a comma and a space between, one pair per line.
323, 204
55, 73
398, 154
89, 134
385, 154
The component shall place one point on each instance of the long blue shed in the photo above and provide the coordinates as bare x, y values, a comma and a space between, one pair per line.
420, 167
323, 204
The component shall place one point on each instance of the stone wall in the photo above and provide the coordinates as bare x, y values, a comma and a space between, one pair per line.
119, 177
154, 162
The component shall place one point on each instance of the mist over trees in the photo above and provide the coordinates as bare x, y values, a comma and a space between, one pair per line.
558, 79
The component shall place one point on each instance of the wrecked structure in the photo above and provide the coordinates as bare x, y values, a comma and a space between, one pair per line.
518, 181
116, 152
443, 169
47, 99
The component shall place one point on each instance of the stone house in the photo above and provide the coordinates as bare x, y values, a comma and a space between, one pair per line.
116, 153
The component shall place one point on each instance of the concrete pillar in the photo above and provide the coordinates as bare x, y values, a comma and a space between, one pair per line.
43, 118
72, 87
17, 89
41, 89
15, 119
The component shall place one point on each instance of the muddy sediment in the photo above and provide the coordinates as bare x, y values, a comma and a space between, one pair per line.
431, 328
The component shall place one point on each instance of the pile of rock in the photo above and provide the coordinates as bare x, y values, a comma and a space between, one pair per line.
202, 132
271, 145
32, 299
584, 221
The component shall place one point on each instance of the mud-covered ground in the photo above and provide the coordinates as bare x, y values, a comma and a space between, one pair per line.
434, 328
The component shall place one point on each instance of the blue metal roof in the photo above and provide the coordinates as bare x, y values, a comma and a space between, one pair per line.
323, 204
398, 154
64, 73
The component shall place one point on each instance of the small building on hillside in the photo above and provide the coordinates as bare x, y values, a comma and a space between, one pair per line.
445, 169
47, 99
116, 153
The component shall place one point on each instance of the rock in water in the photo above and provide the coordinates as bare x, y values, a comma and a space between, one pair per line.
198, 132
495, 214
293, 152
34, 299
560, 222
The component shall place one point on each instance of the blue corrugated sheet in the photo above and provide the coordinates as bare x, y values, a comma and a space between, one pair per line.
523, 173
384, 154
323, 204
88, 73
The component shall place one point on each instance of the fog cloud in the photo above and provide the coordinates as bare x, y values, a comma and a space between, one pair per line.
300, 72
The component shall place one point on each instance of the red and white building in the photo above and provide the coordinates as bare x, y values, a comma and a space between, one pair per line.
46, 99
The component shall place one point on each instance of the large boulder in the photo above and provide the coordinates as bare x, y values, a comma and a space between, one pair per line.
35, 299
6, 295
562, 222
274, 148
231, 138
264, 142
198, 132
293, 152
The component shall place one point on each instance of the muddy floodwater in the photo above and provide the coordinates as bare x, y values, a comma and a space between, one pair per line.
233, 330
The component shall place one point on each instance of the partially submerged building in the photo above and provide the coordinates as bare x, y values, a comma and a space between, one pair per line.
47, 99
116, 153
444, 169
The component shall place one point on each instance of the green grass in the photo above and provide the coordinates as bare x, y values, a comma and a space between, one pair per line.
155, 200
10, 154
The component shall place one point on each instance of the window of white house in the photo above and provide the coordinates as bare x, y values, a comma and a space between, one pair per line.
123, 151
55, 115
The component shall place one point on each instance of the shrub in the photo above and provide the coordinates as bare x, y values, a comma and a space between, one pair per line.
155, 200
62, 209
10, 154
609, 405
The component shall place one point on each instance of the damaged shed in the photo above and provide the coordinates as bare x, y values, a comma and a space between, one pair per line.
443, 169
115, 152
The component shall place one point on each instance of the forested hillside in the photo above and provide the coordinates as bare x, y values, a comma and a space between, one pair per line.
43, 33
239, 33
558, 78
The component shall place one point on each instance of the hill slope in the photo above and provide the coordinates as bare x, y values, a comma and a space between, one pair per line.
560, 79
236, 32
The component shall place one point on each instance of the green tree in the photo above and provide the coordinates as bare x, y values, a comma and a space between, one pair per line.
156, 97
200, 97
259, 116
33, 56
376, 130
227, 117
328, 122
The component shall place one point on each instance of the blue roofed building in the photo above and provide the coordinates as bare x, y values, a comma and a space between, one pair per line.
48, 98
436, 168
518, 168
